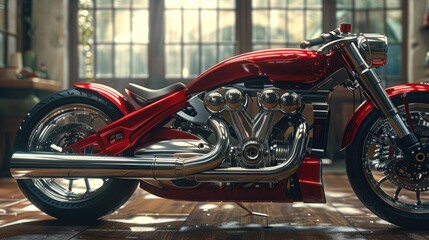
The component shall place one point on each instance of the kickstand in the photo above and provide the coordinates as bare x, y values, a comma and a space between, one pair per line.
264, 215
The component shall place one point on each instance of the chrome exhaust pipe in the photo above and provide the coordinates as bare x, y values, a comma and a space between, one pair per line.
26, 165
267, 174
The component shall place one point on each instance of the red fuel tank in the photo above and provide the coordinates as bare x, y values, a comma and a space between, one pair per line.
295, 66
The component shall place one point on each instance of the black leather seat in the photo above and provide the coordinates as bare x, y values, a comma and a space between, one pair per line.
144, 95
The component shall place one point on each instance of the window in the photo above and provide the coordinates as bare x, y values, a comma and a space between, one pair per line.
281, 23
8, 30
156, 43
378, 16
198, 34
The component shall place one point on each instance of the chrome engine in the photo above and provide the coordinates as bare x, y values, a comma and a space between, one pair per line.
256, 145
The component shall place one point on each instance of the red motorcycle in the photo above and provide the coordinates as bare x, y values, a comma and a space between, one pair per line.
252, 128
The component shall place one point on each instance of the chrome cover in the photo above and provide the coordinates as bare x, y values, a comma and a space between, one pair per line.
373, 48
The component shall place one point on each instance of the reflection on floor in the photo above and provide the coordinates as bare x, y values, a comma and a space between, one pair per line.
148, 217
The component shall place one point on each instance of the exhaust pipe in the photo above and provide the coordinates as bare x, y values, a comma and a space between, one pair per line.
26, 165
267, 174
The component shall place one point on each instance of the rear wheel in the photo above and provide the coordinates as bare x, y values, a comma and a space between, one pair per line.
54, 124
395, 192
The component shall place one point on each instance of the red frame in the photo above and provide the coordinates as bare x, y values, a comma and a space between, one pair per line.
133, 127
309, 178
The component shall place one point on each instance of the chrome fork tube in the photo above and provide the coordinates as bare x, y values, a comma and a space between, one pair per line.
374, 90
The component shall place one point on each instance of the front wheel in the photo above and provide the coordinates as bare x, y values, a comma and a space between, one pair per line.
394, 192
54, 124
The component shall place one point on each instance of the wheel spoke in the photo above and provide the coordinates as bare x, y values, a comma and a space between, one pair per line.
87, 185
382, 180
396, 195
418, 201
70, 185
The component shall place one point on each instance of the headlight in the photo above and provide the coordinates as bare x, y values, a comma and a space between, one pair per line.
373, 48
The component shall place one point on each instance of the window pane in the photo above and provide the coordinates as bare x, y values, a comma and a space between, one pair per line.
345, 16
394, 26
344, 3
140, 30
209, 31
260, 46
224, 4
172, 61
296, 26
191, 4
314, 3
122, 26
278, 25
122, 3
141, 3
278, 3
369, 3
103, 3
361, 22
260, 26
209, 4
394, 60
259, 3
173, 26
104, 29
12, 5
173, 3
393, 4
140, 63
11, 48
225, 52
122, 61
2, 15
190, 26
104, 61
226, 26
81, 61
208, 57
190, 61
296, 4
377, 22
314, 24
2, 57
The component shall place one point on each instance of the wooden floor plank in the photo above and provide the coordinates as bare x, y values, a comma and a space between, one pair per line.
148, 217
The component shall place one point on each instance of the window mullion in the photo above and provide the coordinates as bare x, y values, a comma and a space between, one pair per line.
156, 51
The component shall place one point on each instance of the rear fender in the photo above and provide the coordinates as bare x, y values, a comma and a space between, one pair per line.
111, 94
367, 106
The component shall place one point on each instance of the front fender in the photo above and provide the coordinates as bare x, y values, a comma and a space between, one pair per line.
367, 106
111, 94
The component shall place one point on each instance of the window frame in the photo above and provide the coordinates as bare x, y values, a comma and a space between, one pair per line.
243, 40
7, 33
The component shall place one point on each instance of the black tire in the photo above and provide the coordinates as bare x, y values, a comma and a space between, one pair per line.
91, 204
375, 192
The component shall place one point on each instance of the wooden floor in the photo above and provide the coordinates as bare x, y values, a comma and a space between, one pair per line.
148, 217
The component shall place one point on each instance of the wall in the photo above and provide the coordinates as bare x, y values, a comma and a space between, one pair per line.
50, 37
418, 41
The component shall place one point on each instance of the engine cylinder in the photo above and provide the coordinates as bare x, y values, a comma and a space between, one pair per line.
290, 102
214, 102
268, 99
234, 99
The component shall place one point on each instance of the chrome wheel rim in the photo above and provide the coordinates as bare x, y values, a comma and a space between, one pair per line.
380, 154
58, 129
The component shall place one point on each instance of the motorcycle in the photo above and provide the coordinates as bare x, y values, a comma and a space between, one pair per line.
251, 128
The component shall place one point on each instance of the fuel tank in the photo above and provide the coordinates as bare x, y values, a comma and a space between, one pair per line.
293, 66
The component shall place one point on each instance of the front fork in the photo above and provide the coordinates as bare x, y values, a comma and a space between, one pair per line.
374, 90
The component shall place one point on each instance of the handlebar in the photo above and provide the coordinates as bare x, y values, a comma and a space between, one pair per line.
324, 38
